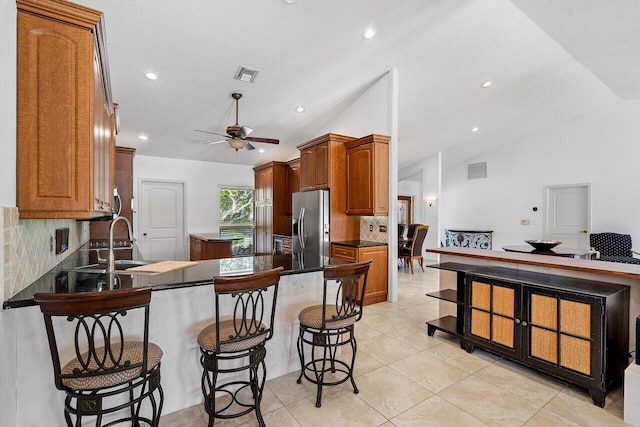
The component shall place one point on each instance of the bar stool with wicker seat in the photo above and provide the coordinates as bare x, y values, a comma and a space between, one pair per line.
330, 325
237, 344
108, 373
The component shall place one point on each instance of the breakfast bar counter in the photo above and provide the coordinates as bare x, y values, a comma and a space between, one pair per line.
182, 303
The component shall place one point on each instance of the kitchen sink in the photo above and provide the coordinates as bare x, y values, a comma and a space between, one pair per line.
120, 266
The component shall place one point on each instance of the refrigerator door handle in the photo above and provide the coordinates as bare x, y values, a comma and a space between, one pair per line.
301, 228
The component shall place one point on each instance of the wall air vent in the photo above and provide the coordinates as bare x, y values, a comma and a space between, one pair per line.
477, 170
246, 74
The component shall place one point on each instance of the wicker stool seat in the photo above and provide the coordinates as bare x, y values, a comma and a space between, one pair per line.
328, 326
106, 364
235, 348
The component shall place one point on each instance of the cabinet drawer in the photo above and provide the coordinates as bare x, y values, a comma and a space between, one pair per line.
344, 252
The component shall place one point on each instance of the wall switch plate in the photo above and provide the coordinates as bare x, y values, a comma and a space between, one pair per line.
525, 221
383, 228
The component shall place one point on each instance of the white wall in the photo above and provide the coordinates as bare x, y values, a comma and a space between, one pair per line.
203, 180
8, 378
8, 103
429, 172
601, 149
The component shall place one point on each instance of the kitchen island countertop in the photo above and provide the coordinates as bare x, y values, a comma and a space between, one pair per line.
65, 277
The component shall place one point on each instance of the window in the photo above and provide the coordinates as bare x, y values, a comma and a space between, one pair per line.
237, 218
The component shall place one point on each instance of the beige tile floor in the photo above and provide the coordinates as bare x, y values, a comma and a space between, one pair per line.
407, 378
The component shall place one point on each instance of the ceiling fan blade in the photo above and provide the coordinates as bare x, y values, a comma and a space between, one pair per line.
265, 140
249, 147
212, 133
243, 132
215, 142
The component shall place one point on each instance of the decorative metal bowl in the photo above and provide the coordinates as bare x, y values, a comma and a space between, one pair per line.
543, 245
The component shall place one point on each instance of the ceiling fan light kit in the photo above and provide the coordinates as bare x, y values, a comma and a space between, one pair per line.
237, 135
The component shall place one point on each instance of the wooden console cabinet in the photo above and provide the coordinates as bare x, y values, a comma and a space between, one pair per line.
368, 176
574, 329
65, 113
377, 279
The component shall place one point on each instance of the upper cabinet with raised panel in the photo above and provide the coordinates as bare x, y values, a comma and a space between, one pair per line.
368, 176
270, 194
66, 120
319, 160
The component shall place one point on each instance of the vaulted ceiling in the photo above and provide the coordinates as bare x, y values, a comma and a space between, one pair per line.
550, 62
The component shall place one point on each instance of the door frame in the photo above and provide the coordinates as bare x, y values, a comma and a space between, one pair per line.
136, 212
547, 192
409, 200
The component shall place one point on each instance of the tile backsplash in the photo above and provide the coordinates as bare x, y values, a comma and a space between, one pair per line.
25, 247
376, 235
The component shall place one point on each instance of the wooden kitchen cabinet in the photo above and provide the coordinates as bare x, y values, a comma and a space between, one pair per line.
99, 230
377, 279
570, 328
270, 205
368, 176
65, 114
323, 166
209, 246
293, 182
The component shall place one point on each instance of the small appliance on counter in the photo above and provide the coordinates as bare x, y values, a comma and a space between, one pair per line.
310, 223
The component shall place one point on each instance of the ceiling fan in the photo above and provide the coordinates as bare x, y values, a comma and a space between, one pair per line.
238, 136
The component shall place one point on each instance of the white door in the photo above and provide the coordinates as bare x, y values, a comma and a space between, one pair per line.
567, 215
161, 220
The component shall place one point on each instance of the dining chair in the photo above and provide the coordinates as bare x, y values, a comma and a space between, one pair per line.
414, 250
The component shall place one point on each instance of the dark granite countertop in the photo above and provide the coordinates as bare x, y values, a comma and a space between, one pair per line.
360, 243
65, 278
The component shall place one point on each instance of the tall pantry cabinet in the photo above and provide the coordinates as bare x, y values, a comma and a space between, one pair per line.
66, 116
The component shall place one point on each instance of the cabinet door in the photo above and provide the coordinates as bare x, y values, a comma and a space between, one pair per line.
376, 290
54, 117
321, 166
493, 315
307, 169
360, 181
561, 331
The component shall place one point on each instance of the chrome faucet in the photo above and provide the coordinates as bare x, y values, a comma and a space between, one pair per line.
111, 262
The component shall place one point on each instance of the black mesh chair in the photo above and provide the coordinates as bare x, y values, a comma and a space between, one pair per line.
106, 364
414, 250
330, 325
236, 345
613, 247
401, 228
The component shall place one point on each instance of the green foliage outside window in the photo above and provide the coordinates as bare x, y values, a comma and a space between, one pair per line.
236, 206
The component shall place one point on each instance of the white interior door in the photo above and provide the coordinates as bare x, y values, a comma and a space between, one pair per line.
567, 215
161, 220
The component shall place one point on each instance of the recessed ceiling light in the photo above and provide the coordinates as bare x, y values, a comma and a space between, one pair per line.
151, 76
368, 34
288, 1
475, 129
300, 109
486, 83
143, 137
261, 151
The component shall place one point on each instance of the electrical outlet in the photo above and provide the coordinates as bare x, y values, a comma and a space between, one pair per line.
383, 228
370, 227
525, 221
50, 243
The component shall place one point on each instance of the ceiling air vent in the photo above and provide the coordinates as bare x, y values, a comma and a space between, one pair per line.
477, 170
246, 74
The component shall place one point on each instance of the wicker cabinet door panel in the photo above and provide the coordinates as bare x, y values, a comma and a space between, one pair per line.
544, 311
481, 295
575, 318
575, 354
503, 331
481, 324
504, 300
544, 345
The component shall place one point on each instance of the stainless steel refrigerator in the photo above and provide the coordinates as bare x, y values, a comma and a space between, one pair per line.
310, 223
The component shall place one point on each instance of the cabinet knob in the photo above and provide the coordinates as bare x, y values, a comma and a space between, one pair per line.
144, 234
517, 321
524, 323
